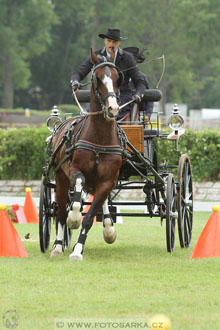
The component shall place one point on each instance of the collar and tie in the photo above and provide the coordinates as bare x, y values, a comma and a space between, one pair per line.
109, 55
118, 51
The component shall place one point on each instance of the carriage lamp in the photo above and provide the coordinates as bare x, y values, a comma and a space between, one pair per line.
175, 121
54, 120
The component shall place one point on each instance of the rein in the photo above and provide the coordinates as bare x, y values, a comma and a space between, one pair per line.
82, 111
85, 113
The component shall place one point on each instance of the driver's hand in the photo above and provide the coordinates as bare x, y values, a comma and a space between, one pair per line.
74, 85
137, 98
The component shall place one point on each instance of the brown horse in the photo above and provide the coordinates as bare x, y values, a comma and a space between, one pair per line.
89, 160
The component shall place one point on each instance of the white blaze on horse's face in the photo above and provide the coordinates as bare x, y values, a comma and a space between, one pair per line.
112, 104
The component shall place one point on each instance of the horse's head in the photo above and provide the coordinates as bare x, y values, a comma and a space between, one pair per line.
105, 78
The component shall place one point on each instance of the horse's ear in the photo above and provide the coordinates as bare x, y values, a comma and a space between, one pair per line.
94, 57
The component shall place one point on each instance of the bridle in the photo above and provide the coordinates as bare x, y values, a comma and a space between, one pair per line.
106, 64
95, 83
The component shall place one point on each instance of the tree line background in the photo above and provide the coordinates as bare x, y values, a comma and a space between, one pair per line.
43, 41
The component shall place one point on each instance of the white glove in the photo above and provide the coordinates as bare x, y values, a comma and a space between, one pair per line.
75, 84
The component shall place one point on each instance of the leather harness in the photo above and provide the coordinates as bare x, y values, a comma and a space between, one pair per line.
72, 141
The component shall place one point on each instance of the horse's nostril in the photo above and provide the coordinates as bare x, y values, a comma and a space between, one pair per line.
110, 113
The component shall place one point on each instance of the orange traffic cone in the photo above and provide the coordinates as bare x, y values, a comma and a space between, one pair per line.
208, 244
30, 209
19, 213
10, 242
86, 209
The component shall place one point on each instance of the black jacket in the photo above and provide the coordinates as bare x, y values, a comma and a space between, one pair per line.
124, 61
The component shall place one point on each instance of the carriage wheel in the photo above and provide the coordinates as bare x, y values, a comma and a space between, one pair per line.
67, 236
170, 213
185, 201
45, 209
155, 164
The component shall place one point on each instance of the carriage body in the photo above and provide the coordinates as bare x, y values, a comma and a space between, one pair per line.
164, 195
165, 191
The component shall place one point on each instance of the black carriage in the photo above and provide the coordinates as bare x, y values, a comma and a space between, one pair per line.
167, 190
166, 195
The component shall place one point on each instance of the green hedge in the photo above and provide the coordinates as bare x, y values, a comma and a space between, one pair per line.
202, 147
22, 153
63, 108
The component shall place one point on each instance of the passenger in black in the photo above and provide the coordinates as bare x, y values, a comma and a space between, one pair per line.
146, 107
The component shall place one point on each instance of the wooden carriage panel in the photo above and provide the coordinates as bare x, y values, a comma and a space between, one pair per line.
135, 135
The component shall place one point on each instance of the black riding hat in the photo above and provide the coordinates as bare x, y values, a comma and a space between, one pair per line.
137, 53
113, 34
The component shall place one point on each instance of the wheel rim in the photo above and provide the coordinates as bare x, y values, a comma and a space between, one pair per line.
45, 218
185, 202
170, 213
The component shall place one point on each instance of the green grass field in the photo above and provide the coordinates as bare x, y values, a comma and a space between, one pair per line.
132, 279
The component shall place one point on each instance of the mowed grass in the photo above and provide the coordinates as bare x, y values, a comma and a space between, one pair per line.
133, 278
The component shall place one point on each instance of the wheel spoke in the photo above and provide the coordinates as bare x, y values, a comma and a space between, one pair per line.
183, 215
189, 180
171, 213
185, 171
187, 230
173, 231
190, 211
189, 223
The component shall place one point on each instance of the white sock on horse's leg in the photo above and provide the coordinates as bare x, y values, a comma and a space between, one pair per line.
109, 232
58, 244
79, 246
74, 215
77, 252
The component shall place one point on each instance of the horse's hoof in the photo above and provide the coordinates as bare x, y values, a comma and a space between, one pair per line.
75, 257
74, 217
77, 252
58, 251
109, 233
73, 223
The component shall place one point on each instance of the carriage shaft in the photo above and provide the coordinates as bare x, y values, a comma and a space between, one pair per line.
147, 162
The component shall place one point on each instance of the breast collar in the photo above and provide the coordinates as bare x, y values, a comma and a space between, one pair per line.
99, 149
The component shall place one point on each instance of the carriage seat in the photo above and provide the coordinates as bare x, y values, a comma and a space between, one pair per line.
151, 95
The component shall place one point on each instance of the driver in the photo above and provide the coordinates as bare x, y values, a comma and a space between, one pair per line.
124, 61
